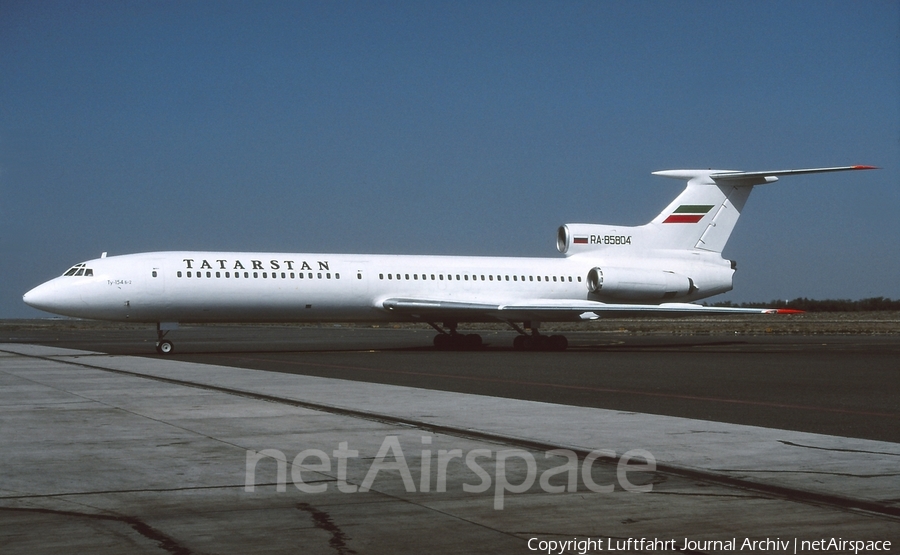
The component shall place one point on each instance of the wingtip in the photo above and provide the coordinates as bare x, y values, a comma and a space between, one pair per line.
865, 167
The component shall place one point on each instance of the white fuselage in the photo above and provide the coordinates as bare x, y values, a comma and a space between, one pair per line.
290, 287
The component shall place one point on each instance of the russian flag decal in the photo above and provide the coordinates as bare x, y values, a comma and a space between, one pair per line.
688, 214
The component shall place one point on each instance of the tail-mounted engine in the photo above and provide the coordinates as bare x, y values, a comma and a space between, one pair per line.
635, 284
576, 238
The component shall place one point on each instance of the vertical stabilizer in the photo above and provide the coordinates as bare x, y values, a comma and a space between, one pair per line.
705, 213
701, 218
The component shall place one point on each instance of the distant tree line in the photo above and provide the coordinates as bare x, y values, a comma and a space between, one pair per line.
827, 305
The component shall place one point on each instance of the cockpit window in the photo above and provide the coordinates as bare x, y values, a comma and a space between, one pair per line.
79, 270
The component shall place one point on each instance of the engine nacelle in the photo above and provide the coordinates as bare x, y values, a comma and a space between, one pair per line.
635, 284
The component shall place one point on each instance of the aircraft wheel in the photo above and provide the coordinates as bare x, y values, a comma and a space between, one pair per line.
165, 347
442, 341
519, 342
472, 341
557, 342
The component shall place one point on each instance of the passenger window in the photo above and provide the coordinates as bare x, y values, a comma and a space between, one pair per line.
328, 275
178, 273
153, 273
337, 276
255, 274
319, 275
218, 274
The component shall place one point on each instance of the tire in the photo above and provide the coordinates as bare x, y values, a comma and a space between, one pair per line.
442, 341
472, 341
519, 343
165, 347
557, 343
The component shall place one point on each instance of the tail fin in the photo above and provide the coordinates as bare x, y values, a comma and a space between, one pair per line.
702, 217
705, 213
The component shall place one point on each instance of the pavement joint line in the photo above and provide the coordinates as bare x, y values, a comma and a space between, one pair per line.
140, 490
784, 492
164, 541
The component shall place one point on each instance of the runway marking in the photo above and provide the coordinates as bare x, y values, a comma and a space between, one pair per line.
589, 388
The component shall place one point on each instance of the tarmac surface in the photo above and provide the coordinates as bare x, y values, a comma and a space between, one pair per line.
222, 448
837, 384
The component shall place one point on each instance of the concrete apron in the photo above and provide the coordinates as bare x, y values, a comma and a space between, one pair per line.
102, 461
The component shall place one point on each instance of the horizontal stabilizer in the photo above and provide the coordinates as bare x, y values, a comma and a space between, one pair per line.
728, 176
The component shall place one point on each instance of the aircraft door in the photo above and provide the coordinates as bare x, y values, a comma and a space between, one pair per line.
360, 278
156, 278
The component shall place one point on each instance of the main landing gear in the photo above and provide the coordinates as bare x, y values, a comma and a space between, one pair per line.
164, 346
448, 339
451, 340
537, 342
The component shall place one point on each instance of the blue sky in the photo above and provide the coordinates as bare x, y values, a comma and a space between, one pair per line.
445, 127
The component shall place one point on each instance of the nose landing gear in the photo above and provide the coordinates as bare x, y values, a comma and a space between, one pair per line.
164, 346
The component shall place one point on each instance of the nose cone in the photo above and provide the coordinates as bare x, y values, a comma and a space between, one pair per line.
50, 297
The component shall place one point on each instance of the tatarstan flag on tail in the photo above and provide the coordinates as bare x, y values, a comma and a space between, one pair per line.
688, 214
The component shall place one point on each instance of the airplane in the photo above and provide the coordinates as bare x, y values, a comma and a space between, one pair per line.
657, 268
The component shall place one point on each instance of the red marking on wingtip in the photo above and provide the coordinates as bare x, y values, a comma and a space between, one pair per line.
789, 311
865, 167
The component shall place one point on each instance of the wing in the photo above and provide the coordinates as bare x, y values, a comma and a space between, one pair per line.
552, 310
